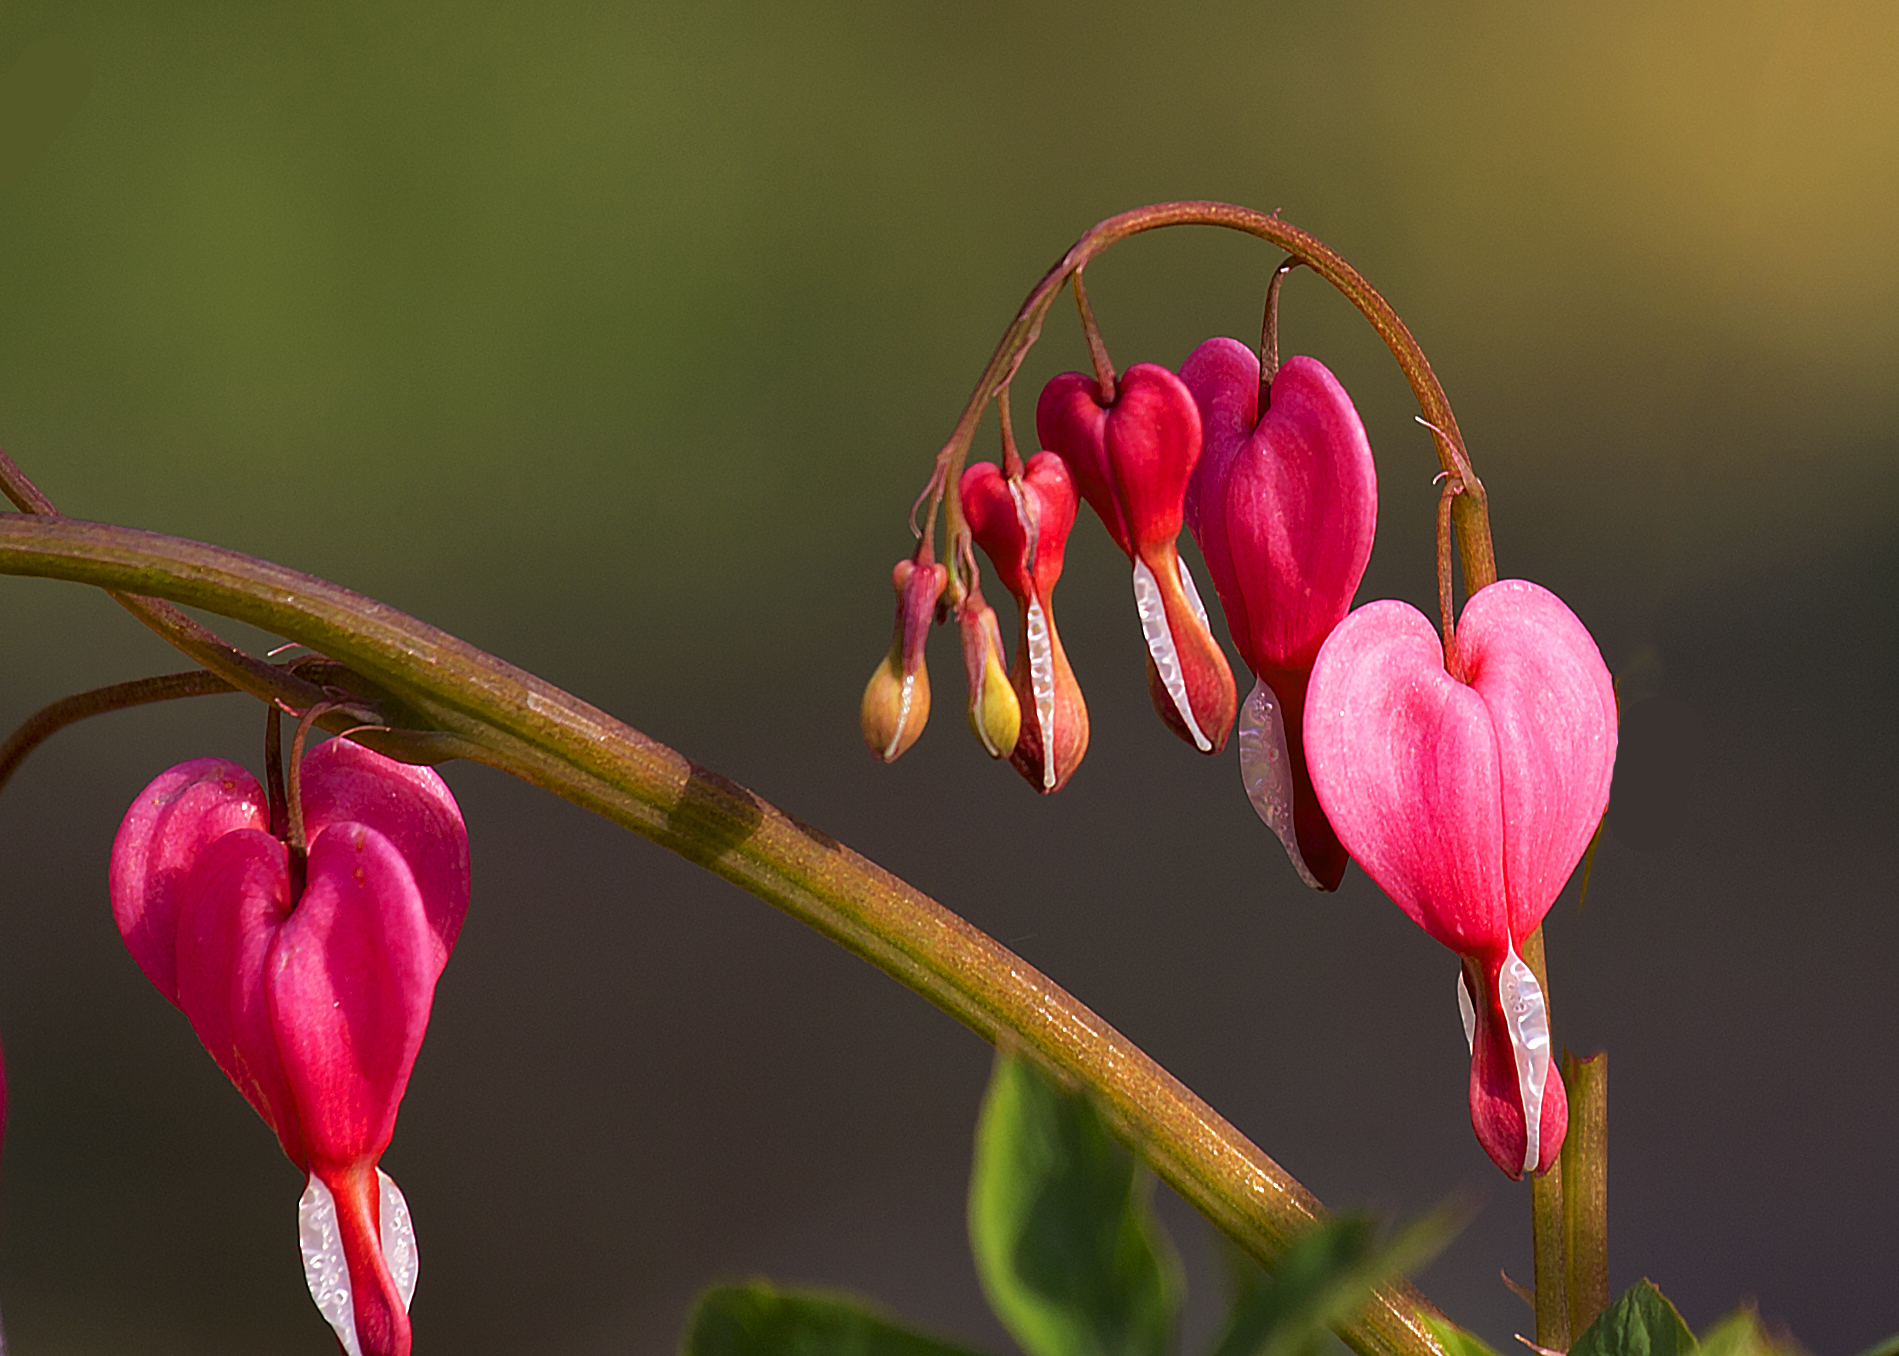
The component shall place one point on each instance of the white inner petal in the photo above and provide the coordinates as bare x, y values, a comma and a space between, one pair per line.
398, 1238
1266, 771
1467, 1010
1042, 684
1526, 1018
1160, 644
1193, 594
326, 1270
903, 716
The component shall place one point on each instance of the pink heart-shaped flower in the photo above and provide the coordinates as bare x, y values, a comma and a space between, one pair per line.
1132, 460
314, 1007
1284, 504
1470, 804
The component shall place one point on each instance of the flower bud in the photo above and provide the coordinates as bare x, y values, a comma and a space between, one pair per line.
1131, 461
995, 713
1022, 526
896, 703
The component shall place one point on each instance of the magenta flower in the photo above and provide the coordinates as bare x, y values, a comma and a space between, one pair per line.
1470, 802
1284, 506
1022, 525
1131, 460
313, 1006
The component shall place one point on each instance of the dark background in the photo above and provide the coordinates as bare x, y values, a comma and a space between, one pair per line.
617, 339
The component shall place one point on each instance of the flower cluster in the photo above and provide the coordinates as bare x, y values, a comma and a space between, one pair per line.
1466, 777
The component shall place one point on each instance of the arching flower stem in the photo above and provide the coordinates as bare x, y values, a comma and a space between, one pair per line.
1471, 514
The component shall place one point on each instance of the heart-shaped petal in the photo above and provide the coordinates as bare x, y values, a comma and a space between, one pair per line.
174, 819
1285, 506
411, 807
1404, 760
351, 979
1132, 459
235, 899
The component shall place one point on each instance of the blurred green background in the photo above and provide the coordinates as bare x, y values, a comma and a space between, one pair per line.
617, 338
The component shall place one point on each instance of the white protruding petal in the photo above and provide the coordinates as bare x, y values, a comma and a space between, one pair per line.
325, 1270
398, 1238
1467, 1010
1266, 772
1160, 644
1042, 685
903, 718
1193, 594
1526, 1019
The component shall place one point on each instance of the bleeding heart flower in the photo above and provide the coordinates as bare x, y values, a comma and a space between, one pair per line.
315, 1006
1022, 525
1131, 460
1284, 505
1470, 803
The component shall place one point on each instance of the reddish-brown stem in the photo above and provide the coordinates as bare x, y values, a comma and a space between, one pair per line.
295, 838
1097, 349
50, 719
1446, 604
1011, 458
1269, 336
274, 774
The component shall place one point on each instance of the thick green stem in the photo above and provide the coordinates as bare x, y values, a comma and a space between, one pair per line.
1472, 508
492, 712
1586, 1187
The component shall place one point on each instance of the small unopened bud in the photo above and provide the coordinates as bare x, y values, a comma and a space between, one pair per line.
896, 702
995, 714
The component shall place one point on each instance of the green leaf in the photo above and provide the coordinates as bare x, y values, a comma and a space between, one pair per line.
1889, 1347
1066, 1244
1326, 1277
758, 1320
1640, 1323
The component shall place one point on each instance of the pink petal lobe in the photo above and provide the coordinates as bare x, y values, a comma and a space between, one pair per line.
1070, 422
1552, 705
235, 899
411, 807
351, 978
1288, 508
173, 820
1153, 443
1405, 765
1223, 377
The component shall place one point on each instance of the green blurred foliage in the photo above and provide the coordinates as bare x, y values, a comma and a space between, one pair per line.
758, 1320
1062, 1225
